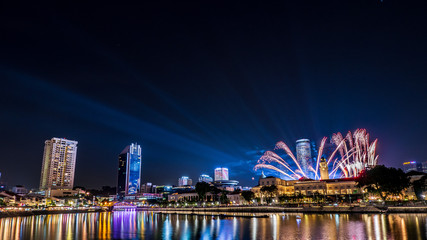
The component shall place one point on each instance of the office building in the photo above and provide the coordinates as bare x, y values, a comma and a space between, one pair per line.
221, 174
129, 172
184, 181
304, 154
59, 161
205, 178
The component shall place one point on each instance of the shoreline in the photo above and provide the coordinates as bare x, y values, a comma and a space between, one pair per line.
242, 211
44, 212
278, 209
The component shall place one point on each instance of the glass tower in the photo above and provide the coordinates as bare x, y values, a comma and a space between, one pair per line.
129, 172
304, 154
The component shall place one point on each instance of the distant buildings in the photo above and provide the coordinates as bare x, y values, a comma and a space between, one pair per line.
221, 174
148, 188
129, 171
20, 190
184, 181
222, 180
415, 166
303, 153
205, 178
59, 161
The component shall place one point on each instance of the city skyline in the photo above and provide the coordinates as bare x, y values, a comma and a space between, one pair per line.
201, 87
214, 120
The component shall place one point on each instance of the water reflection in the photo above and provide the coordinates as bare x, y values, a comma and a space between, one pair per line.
149, 225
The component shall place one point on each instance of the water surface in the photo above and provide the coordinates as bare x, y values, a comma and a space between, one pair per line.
149, 225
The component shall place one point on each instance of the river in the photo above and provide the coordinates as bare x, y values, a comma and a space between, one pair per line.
149, 225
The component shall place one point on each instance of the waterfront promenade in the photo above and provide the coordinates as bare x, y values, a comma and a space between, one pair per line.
226, 210
20, 211
281, 209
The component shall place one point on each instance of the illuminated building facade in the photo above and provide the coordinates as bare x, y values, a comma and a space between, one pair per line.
129, 172
303, 154
323, 167
221, 174
59, 161
184, 181
205, 178
335, 188
412, 166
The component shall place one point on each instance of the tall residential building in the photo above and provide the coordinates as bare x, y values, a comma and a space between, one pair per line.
205, 178
221, 174
59, 161
304, 154
184, 181
129, 172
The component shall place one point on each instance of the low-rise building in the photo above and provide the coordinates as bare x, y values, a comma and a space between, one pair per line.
20, 190
236, 199
188, 197
283, 186
309, 187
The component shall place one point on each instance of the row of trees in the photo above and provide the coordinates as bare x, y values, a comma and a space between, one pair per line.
202, 188
389, 182
385, 182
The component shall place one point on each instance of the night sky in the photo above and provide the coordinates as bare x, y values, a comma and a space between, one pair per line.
205, 84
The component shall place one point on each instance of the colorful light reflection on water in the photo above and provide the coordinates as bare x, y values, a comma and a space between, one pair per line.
148, 225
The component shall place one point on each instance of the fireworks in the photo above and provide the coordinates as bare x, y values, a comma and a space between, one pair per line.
351, 155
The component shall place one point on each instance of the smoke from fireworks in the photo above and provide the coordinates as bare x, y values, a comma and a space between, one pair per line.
355, 154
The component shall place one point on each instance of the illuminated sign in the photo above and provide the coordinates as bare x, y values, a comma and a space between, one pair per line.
406, 163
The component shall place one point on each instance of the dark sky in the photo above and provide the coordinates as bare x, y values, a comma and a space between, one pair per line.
207, 84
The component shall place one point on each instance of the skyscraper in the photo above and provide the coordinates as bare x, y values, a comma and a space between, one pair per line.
184, 181
303, 154
221, 174
129, 172
59, 161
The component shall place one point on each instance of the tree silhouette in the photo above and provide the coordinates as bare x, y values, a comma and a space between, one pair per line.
202, 188
383, 181
248, 195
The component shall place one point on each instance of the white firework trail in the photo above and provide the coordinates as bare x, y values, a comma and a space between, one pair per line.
283, 146
356, 154
267, 166
270, 156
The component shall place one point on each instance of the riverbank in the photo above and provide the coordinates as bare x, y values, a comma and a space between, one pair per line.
45, 212
279, 209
